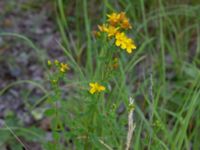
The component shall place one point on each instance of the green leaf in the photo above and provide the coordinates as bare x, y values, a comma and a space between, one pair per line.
4, 136
50, 112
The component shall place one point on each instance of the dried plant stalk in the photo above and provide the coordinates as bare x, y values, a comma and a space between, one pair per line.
131, 125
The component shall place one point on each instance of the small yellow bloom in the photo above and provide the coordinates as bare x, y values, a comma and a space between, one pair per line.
124, 42
64, 67
111, 30
120, 40
125, 24
114, 18
119, 19
62, 70
122, 16
130, 45
96, 88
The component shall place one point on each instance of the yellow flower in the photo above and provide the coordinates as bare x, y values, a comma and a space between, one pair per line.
119, 19
96, 88
64, 67
124, 42
122, 16
120, 40
111, 30
130, 45
124, 21
125, 24
114, 18
116, 23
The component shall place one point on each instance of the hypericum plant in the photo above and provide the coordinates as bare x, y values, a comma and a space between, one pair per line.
88, 113
116, 24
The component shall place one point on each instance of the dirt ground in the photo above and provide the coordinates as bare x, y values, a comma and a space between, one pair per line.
18, 61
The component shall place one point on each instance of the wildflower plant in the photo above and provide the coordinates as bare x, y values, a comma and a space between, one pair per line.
115, 28
88, 102
57, 72
92, 109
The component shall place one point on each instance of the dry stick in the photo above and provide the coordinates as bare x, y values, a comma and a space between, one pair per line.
16, 137
131, 126
106, 145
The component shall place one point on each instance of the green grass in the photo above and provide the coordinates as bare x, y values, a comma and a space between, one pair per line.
162, 75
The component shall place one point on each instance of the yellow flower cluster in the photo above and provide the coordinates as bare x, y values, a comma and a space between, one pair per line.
115, 19
62, 66
117, 22
124, 42
96, 88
